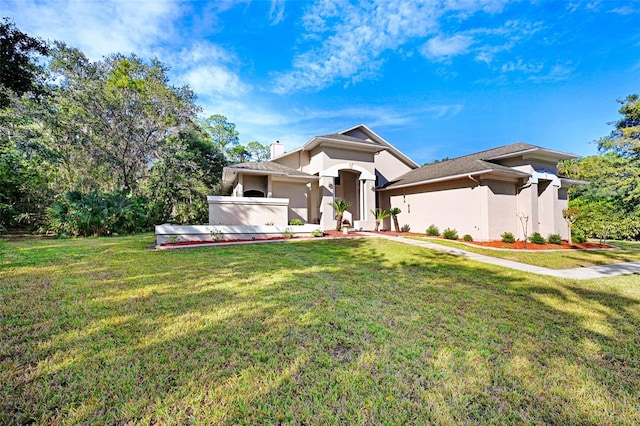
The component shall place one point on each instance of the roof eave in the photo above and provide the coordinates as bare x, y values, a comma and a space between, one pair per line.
559, 155
318, 140
454, 177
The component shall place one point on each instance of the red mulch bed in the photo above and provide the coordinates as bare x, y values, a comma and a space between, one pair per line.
335, 234
519, 245
399, 234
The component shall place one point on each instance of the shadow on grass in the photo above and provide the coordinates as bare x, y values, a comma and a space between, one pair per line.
346, 331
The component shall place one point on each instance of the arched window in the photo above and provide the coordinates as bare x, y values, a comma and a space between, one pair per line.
253, 193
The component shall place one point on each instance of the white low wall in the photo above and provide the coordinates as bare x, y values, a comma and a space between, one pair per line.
231, 211
180, 233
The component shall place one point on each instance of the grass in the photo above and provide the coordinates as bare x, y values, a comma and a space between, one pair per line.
559, 259
353, 331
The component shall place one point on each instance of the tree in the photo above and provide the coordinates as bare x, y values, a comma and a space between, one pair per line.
18, 71
380, 215
120, 112
610, 206
222, 133
570, 215
258, 151
394, 212
238, 154
340, 206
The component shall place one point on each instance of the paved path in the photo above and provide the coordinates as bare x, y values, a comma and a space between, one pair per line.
610, 270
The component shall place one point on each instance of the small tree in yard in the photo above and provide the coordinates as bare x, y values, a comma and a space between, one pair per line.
524, 221
340, 206
570, 215
394, 212
380, 215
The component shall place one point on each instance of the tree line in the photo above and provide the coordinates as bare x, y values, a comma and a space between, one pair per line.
609, 206
100, 147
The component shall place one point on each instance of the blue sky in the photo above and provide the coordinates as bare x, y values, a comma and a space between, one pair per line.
435, 78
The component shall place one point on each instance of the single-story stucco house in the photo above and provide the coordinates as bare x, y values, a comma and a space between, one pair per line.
483, 194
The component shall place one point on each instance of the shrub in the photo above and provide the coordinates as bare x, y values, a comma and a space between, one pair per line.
317, 232
508, 237
536, 238
467, 237
405, 228
450, 234
288, 233
96, 213
296, 222
554, 239
216, 235
433, 231
578, 238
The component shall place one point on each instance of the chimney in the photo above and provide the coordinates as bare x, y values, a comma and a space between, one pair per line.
277, 149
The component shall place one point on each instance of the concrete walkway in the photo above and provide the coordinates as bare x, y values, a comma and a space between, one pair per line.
610, 270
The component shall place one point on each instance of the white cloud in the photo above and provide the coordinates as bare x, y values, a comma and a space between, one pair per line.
439, 47
624, 10
350, 41
209, 70
558, 72
276, 12
99, 28
521, 66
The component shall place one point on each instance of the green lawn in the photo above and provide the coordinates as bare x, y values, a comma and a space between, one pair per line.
352, 331
559, 259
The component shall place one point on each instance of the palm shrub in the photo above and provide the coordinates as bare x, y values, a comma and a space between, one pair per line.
96, 213
394, 212
380, 215
340, 206
536, 238
433, 231
450, 234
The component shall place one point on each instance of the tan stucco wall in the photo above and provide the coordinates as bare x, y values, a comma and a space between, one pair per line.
389, 167
297, 194
324, 158
501, 208
296, 160
257, 183
247, 211
455, 204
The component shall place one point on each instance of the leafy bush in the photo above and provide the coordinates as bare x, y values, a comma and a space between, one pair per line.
405, 228
467, 237
296, 222
554, 239
288, 233
450, 234
508, 237
433, 231
536, 238
95, 214
317, 232
578, 238
216, 235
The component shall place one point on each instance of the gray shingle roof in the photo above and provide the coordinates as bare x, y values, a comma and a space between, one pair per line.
270, 167
468, 164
